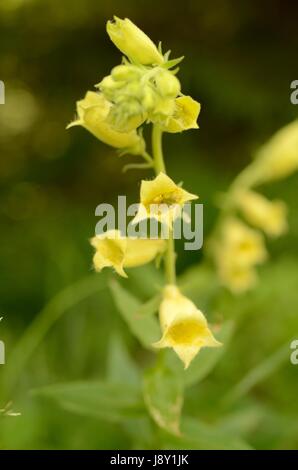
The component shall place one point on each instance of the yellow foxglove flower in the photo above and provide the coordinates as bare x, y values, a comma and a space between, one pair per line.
270, 216
163, 109
114, 250
133, 42
242, 243
279, 157
236, 277
239, 249
93, 111
184, 327
185, 115
161, 199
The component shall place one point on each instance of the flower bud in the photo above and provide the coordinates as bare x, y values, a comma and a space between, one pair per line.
133, 42
167, 84
110, 87
279, 157
126, 73
126, 115
269, 216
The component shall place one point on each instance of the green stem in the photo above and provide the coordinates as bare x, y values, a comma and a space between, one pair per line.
136, 166
170, 260
157, 150
147, 157
243, 182
159, 164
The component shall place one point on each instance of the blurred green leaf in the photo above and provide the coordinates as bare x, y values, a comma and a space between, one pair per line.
147, 280
145, 328
200, 284
198, 435
121, 367
104, 400
150, 307
244, 420
207, 359
163, 395
259, 373
43, 322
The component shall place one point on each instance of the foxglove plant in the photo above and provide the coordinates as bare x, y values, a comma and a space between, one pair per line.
144, 89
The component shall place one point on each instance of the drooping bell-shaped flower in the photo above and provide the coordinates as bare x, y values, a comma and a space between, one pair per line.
161, 199
93, 112
185, 115
184, 327
236, 253
114, 250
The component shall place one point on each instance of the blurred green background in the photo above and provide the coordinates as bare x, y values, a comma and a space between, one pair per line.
240, 58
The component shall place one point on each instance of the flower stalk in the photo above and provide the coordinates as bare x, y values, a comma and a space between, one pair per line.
159, 165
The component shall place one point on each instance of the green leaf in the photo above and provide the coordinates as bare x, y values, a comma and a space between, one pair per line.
120, 366
147, 280
104, 400
145, 328
150, 307
207, 358
171, 63
200, 436
199, 283
259, 373
163, 395
44, 321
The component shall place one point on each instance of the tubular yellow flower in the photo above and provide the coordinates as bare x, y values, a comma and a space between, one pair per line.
133, 42
184, 327
279, 157
236, 253
161, 199
242, 243
114, 250
93, 111
235, 276
270, 216
185, 115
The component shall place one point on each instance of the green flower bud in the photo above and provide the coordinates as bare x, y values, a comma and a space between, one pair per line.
126, 73
149, 98
167, 84
110, 87
127, 115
